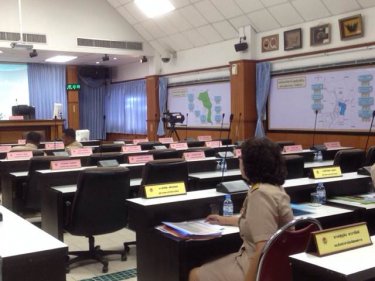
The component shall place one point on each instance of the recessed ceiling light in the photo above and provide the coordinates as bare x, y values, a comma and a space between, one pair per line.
61, 58
154, 8
1, 51
98, 62
114, 58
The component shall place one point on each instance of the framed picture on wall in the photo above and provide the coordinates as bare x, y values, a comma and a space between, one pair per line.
270, 43
293, 39
320, 35
351, 27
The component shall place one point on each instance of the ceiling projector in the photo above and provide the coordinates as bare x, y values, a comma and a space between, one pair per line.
21, 45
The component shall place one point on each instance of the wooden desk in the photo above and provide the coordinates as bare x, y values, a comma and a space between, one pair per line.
13, 130
353, 265
29, 253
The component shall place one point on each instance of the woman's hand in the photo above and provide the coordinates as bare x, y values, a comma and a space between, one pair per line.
215, 219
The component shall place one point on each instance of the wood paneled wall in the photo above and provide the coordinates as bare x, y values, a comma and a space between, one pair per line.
72, 96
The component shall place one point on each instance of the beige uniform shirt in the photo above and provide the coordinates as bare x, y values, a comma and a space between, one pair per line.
26, 147
74, 144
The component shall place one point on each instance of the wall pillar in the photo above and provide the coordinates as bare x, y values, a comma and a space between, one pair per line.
153, 111
72, 97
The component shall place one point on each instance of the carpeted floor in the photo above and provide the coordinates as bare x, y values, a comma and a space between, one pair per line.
116, 276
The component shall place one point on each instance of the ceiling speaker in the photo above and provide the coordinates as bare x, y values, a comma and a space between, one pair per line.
242, 46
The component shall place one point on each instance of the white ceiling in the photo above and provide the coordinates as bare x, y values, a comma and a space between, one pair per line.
195, 23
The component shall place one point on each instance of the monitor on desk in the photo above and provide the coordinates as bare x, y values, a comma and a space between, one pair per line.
27, 111
82, 135
57, 111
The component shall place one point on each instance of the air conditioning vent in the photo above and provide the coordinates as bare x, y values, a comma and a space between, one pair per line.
27, 37
110, 44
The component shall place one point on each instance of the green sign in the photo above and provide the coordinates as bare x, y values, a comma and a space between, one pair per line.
73, 87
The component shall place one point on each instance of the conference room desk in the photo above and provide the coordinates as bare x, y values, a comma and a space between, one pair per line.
53, 205
308, 154
353, 265
160, 257
28, 253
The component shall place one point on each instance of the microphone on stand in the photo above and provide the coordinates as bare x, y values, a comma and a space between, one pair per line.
221, 126
230, 125
186, 128
314, 147
367, 169
369, 131
156, 127
103, 128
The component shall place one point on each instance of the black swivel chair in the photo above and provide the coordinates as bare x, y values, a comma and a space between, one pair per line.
349, 160
294, 166
111, 147
149, 145
166, 154
370, 156
165, 170
31, 193
96, 157
90, 215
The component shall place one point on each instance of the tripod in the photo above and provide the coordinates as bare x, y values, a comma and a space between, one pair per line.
172, 130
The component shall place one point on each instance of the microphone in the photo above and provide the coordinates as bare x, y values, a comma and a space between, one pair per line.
230, 125
221, 126
103, 128
186, 130
156, 127
369, 131
313, 147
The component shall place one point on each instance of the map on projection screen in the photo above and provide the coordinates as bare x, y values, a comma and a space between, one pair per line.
204, 104
14, 88
344, 100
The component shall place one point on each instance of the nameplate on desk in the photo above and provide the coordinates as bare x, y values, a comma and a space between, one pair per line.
179, 145
326, 172
237, 152
19, 155
138, 159
5, 148
332, 144
131, 148
194, 155
166, 140
204, 138
16, 117
213, 144
21, 141
66, 164
293, 148
339, 239
54, 145
137, 141
164, 189
84, 151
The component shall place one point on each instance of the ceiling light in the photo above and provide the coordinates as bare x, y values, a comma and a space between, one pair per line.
1, 51
154, 8
98, 62
33, 54
61, 58
105, 58
114, 58
143, 59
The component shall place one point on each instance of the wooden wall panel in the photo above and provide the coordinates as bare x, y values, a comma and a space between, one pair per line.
72, 96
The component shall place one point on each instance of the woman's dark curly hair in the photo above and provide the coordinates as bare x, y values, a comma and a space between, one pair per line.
262, 162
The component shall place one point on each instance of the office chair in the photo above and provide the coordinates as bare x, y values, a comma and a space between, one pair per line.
349, 160
89, 215
370, 157
31, 192
96, 157
38, 152
149, 145
274, 259
294, 166
110, 147
166, 154
164, 171
195, 143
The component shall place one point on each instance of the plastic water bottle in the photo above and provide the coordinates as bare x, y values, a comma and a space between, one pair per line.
227, 206
321, 191
319, 156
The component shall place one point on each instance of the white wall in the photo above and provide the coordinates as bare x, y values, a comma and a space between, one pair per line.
64, 21
222, 53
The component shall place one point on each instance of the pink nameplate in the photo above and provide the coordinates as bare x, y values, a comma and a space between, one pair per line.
54, 145
84, 151
332, 144
131, 148
204, 138
15, 155
22, 141
213, 144
16, 117
137, 159
5, 148
66, 164
137, 141
194, 155
237, 152
179, 145
293, 148
166, 140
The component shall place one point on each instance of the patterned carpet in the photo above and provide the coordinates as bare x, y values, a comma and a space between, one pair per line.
116, 276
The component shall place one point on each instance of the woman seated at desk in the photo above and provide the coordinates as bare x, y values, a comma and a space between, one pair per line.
265, 209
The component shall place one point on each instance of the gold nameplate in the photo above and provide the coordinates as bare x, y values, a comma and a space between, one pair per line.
165, 189
339, 239
326, 172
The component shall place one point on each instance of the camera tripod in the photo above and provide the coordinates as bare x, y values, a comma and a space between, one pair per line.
172, 130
